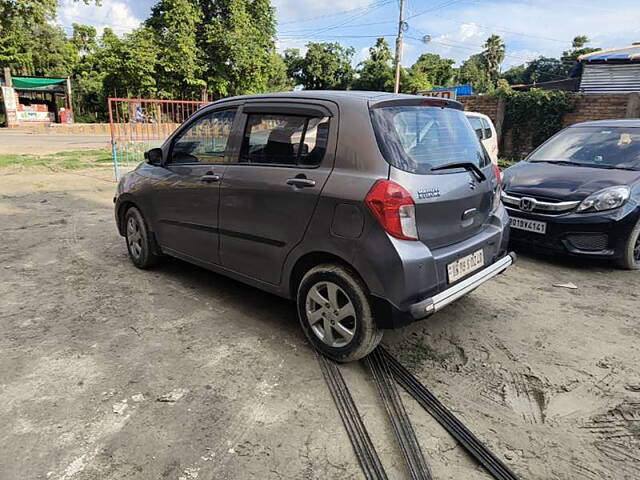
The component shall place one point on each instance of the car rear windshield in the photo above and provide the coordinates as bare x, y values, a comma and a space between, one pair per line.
601, 147
417, 139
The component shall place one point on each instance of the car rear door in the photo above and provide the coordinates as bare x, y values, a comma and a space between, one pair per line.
269, 196
186, 199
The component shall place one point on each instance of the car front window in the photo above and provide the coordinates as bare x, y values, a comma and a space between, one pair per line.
601, 147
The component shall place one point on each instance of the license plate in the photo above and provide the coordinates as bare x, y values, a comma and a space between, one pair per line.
465, 265
529, 225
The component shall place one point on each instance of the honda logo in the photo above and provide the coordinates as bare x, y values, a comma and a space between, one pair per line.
527, 204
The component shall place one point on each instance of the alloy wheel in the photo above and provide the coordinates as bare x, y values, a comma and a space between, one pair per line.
330, 314
636, 250
134, 237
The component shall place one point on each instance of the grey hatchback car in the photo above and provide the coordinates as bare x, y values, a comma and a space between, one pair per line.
372, 210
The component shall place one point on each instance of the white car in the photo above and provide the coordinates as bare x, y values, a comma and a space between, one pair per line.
486, 132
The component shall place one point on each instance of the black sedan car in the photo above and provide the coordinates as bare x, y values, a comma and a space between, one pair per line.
579, 192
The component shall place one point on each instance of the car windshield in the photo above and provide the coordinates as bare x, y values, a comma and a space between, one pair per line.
601, 147
417, 139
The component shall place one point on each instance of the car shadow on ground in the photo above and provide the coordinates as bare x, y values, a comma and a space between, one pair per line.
244, 298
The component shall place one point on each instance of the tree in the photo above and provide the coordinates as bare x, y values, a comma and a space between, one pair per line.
180, 71
376, 73
569, 57
438, 71
324, 66
474, 71
235, 38
29, 43
493, 55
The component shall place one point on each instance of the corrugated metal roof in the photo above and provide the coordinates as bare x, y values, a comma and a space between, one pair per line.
623, 54
601, 78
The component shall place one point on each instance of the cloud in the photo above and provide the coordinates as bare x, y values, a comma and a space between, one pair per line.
116, 15
296, 10
529, 29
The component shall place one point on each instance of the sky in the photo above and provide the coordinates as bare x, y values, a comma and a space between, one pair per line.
456, 28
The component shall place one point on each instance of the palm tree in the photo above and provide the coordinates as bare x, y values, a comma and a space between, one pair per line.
493, 54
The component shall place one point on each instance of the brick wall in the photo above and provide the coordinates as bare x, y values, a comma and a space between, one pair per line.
588, 107
598, 107
487, 104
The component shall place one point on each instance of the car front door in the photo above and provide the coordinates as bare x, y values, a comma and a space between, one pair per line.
187, 198
269, 196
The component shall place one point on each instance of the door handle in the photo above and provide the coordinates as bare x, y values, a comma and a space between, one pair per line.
210, 178
301, 182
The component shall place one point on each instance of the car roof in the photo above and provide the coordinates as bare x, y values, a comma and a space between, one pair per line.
617, 122
475, 114
337, 96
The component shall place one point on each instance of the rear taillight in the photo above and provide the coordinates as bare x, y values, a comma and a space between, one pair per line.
497, 193
498, 173
394, 208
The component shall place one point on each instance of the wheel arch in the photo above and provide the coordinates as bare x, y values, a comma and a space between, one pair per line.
121, 210
311, 259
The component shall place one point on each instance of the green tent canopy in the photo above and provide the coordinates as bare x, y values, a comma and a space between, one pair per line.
39, 83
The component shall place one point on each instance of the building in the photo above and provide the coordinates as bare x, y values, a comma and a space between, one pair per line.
616, 70
35, 100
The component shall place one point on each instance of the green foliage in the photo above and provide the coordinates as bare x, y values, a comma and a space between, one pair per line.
474, 71
493, 55
324, 66
439, 71
376, 73
578, 47
535, 115
174, 23
235, 38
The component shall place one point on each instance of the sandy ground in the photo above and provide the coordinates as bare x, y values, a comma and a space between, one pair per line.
25, 142
547, 377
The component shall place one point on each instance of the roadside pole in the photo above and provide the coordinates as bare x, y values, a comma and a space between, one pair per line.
398, 60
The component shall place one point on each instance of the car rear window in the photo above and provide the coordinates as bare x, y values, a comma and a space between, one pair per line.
417, 139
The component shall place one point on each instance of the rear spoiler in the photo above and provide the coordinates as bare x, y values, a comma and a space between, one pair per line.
416, 101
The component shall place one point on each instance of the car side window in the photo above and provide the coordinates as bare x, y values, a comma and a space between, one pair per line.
487, 128
284, 139
477, 126
205, 140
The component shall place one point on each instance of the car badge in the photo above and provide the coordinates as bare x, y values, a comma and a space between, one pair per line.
527, 204
425, 193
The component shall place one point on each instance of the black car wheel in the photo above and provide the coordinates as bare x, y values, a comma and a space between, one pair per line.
335, 315
630, 258
139, 241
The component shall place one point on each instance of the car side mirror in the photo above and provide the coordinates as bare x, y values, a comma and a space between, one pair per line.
154, 156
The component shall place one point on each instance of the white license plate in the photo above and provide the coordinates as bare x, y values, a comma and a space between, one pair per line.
529, 225
465, 265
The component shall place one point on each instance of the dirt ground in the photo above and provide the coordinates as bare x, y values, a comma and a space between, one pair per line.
548, 377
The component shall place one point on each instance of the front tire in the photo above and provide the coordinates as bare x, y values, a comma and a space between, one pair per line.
335, 314
139, 240
630, 259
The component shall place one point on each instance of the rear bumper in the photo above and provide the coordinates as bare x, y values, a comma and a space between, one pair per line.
429, 306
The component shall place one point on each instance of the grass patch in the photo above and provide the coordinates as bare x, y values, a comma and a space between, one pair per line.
506, 162
70, 160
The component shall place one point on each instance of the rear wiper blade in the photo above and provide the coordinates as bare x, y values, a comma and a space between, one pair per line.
469, 166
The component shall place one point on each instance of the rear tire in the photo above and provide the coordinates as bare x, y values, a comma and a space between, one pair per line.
335, 314
630, 259
139, 240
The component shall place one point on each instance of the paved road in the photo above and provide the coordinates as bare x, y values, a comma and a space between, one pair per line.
24, 143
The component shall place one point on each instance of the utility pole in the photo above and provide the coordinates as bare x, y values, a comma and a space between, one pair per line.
396, 86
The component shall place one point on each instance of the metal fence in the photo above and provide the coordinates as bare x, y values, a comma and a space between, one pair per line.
137, 125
